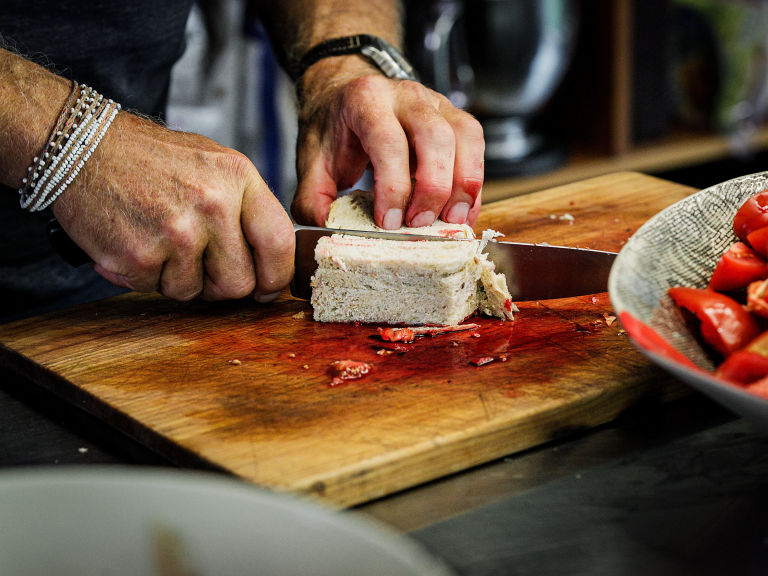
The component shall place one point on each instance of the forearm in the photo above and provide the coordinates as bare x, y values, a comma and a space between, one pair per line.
296, 25
30, 101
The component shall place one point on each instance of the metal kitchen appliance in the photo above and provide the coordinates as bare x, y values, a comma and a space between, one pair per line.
502, 60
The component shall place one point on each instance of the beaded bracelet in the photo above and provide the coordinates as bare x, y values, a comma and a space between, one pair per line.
65, 158
38, 163
77, 133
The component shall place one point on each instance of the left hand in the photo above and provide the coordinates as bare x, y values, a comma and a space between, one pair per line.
351, 116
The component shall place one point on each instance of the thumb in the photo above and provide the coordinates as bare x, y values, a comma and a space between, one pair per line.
315, 192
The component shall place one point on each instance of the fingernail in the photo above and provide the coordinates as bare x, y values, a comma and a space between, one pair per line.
458, 213
393, 219
426, 218
264, 298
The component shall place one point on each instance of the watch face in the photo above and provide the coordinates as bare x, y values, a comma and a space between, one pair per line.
388, 60
382, 54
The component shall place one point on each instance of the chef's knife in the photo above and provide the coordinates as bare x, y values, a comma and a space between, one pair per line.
533, 271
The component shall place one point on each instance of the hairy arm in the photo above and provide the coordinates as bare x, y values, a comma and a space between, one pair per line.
30, 101
297, 25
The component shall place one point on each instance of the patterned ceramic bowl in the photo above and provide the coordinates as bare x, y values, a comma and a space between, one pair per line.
680, 247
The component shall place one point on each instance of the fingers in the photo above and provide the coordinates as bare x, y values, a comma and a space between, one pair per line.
445, 145
211, 256
182, 271
434, 146
323, 172
115, 278
227, 264
475, 210
230, 262
192, 218
469, 167
370, 115
391, 173
449, 149
251, 247
314, 194
269, 231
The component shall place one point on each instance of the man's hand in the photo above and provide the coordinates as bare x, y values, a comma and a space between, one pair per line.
426, 155
177, 213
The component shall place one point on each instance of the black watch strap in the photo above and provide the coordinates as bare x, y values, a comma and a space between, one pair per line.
382, 54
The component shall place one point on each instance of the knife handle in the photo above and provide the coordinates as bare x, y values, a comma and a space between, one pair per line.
65, 247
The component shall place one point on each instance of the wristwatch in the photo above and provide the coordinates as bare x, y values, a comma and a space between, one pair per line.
381, 53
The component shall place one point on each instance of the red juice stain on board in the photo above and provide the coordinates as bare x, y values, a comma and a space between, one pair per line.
544, 337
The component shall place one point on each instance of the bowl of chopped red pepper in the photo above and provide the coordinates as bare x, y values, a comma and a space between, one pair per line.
691, 289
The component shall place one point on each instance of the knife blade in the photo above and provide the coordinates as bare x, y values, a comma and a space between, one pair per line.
545, 272
532, 271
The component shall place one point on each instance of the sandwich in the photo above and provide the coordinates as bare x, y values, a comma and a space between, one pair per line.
394, 282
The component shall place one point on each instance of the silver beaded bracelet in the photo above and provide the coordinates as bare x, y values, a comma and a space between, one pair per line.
77, 133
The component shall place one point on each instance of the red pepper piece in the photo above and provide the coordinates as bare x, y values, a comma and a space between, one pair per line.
396, 334
725, 324
739, 266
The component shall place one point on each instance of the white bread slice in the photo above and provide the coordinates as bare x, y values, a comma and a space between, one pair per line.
355, 212
395, 282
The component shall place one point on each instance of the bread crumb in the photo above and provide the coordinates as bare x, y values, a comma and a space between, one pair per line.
298, 315
234, 362
306, 367
339, 262
564, 217
291, 355
609, 319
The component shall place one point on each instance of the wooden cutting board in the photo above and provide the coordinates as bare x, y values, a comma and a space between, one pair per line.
245, 388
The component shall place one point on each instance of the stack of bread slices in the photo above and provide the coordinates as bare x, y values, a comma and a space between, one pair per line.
400, 282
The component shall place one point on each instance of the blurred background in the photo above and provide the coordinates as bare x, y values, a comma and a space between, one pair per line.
565, 89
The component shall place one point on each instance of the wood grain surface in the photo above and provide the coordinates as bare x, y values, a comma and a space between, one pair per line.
245, 388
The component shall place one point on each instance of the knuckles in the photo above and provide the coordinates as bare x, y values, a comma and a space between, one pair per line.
436, 131
233, 290
361, 91
184, 235
470, 127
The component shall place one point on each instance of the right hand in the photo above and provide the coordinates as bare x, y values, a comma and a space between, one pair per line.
174, 212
